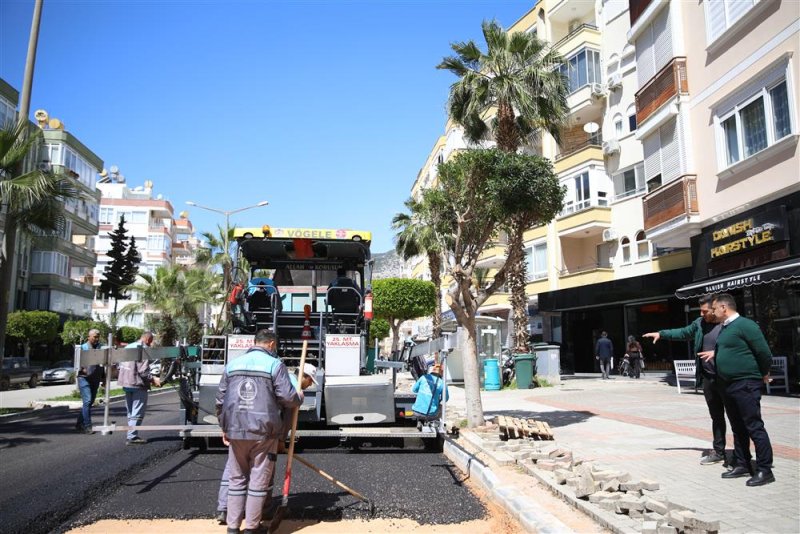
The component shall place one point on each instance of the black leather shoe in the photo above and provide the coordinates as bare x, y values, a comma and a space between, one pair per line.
761, 478
736, 472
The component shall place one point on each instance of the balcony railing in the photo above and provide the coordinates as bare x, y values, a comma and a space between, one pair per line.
636, 8
573, 33
566, 271
569, 149
671, 201
668, 82
574, 205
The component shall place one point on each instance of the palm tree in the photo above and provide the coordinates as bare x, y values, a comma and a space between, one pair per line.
176, 293
33, 202
519, 80
217, 254
417, 236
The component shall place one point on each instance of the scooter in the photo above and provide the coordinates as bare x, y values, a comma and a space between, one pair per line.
508, 369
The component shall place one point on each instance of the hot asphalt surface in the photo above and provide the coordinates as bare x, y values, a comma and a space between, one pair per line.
53, 478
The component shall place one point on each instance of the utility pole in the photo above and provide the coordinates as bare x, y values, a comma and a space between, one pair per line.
7, 268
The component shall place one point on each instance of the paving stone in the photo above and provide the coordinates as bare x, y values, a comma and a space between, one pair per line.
650, 485
630, 486
635, 514
703, 522
512, 447
630, 503
676, 518
610, 485
666, 529
586, 486
549, 465
608, 504
572, 481
656, 506
561, 475
584, 471
501, 458
649, 527
653, 516
603, 475
599, 496
632, 493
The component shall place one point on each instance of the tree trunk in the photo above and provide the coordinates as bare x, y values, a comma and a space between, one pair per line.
516, 286
507, 135
6, 275
472, 389
27, 346
395, 325
435, 266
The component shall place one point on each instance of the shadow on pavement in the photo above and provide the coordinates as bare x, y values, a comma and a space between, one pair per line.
7, 443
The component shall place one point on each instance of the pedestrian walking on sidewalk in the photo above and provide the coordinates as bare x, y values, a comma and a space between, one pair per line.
703, 332
89, 380
135, 379
253, 390
604, 351
743, 361
634, 352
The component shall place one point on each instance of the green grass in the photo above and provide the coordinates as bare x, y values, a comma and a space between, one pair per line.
543, 382
463, 423
76, 395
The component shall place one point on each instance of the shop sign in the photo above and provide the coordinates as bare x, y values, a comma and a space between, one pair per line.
746, 234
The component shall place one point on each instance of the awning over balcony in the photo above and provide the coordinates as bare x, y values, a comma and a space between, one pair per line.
763, 274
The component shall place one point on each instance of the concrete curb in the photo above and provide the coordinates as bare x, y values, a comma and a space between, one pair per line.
531, 516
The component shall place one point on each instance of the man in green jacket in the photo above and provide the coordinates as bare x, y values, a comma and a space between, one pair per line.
703, 332
743, 362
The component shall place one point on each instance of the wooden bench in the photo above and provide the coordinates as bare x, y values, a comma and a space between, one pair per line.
778, 371
685, 370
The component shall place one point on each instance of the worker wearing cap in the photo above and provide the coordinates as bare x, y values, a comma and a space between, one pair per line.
309, 377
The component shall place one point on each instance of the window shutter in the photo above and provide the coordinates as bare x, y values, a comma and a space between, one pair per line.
662, 37
652, 155
670, 152
644, 56
640, 183
736, 9
715, 18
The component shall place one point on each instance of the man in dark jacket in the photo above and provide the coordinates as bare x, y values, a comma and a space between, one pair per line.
89, 380
253, 390
604, 351
703, 333
743, 362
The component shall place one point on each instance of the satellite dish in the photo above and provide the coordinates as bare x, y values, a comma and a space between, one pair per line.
184, 214
591, 127
114, 169
41, 115
103, 173
148, 184
55, 124
160, 197
120, 179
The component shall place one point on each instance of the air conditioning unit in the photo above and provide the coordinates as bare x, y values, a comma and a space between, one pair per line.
598, 90
609, 234
615, 81
610, 147
44, 166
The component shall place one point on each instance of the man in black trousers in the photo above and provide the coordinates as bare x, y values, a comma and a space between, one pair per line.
703, 332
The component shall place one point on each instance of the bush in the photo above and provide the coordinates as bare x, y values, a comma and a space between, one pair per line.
129, 334
75, 332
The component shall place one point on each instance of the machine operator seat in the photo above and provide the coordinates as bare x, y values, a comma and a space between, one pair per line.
344, 296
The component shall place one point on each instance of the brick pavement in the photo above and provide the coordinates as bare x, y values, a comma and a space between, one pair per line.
645, 428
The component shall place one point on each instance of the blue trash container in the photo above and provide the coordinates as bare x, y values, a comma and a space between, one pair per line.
491, 373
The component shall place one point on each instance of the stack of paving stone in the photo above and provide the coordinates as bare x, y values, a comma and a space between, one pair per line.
611, 491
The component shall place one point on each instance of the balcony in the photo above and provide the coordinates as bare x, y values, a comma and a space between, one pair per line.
493, 257
668, 83
580, 35
671, 202
62, 283
78, 254
584, 218
584, 275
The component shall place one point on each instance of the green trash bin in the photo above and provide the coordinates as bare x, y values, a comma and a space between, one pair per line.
524, 367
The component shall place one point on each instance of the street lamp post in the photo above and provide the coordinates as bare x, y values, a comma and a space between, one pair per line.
227, 214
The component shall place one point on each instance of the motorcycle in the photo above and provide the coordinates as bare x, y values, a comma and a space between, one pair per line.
508, 368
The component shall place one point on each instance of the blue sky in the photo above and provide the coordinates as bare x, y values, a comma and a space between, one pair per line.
325, 109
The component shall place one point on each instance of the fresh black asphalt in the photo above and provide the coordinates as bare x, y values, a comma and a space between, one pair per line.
53, 479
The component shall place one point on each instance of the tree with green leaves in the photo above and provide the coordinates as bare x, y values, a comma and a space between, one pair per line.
400, 299
509, 93
33, 327
477, 194
378, 329
76, 331
33, 202
415, 236
121, 271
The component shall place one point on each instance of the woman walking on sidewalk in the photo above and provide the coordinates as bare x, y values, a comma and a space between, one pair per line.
634, 350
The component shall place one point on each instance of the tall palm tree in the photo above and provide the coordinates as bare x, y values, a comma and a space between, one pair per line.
416, 236
32, 202
510, 93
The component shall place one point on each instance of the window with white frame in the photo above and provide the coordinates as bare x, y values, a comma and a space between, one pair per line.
631, 118
106, 215
629, 182
625, 248
8, 113
753, 124
722, 14
138, 217
536, 259
618, 125
49, 262
582, 69
642, 246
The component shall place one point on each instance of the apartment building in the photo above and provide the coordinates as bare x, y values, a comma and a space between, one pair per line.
160, 238
649, 104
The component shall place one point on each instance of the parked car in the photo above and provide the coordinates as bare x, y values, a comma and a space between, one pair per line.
17, 371
60, 372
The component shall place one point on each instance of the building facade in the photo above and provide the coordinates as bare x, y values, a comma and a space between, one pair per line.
160, 238
669, 137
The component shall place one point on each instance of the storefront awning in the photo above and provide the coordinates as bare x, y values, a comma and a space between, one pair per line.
764, 274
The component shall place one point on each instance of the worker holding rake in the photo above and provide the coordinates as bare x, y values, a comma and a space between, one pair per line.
253, 390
